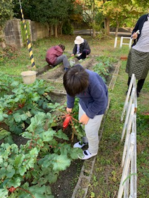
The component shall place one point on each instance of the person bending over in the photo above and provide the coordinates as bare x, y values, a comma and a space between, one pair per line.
55, 55
81, 48
89, 87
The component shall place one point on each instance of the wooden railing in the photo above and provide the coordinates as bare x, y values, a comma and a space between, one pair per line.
128, 184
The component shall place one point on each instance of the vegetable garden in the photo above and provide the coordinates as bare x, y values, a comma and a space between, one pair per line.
36, 141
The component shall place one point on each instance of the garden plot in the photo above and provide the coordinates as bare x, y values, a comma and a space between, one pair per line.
67, 178
56, 74
64, 187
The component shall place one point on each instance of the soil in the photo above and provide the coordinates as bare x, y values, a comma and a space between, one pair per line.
67, 180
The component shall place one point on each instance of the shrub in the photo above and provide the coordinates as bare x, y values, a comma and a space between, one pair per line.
67, 28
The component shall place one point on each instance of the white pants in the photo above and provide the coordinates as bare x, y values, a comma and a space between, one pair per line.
91, 130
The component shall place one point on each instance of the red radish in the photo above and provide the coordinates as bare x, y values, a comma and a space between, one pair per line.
12, 189
67, 121
21, 105
9, 112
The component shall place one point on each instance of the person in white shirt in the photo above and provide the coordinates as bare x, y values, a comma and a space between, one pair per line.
138, 58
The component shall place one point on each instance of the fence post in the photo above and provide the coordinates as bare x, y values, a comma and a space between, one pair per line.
131, 119
132, 101
115, 43
121, 41
127, 164
132, 84
133, 181
128, 184
129, 44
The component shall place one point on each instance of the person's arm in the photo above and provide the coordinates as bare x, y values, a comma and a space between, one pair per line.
70, 102
74, 50
84, 119
137, 29
86, 45
100, 97
134, 34
59, 51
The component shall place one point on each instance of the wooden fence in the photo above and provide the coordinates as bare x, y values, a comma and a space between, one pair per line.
128, 184
123, 41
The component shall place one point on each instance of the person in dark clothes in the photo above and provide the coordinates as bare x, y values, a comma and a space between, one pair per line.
138, 58
81, 48
92, 92
55, 55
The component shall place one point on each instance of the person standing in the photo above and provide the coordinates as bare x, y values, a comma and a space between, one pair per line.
81, 48
92, 92
55, 55
138, 58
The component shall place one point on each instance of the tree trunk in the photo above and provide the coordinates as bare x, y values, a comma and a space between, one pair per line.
116, 31
93, 22
61, 25
107, 26
56, 35
2, 40
51, 30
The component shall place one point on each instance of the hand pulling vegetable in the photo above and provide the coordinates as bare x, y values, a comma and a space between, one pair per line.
67, 120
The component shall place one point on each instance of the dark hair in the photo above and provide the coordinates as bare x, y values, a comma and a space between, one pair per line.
75, 80
62, 47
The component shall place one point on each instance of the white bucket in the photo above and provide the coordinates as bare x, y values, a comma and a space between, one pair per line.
28, 77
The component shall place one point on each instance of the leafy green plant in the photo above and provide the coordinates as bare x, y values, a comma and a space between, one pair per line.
104, 65
67, 28
23, 32
21, 102
26, 170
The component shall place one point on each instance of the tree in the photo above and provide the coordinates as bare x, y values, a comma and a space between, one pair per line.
119, 13
6, 13
90, 9
49, 11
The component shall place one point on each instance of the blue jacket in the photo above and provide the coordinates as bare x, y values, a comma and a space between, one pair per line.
94, 99
139, 26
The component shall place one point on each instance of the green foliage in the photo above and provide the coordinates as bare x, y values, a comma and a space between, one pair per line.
36, 164
102, 68
4, 133
51, 12
67, 28
20, 102
39, 161
6, 11
23, 32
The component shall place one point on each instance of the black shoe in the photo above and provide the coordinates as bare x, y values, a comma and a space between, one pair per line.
138, 94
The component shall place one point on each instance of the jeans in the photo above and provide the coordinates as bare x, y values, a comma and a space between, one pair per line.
62, 58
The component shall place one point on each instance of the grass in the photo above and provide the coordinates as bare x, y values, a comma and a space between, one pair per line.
108, 164
107, 171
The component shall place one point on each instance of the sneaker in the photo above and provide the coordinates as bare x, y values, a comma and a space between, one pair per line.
87, 155
79, 144
80, 60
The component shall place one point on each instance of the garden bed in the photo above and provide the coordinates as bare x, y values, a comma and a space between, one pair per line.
68, 178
